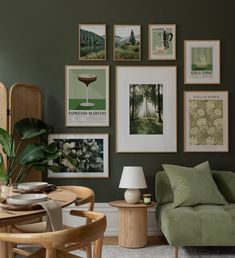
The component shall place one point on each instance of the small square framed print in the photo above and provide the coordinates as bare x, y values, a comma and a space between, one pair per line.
92, 42
127, 43
202, 62
162, 41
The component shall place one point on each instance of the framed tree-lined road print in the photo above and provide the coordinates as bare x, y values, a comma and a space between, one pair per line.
162, 41
83, 156
206, 121
146, 109
202, 62
86, 95
127, 43
92, 42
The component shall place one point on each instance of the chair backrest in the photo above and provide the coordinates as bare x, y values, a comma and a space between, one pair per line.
55, 241
85, 195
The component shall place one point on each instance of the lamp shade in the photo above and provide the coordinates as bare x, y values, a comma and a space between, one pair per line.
132, 177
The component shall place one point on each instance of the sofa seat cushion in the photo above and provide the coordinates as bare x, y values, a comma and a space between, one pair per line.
199, 225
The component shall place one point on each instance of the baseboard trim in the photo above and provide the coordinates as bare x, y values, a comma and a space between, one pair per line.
112, 219
152, 240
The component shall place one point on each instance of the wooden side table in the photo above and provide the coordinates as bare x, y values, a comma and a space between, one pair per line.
132, 223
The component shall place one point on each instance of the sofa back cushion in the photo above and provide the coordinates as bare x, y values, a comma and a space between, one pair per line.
225, 181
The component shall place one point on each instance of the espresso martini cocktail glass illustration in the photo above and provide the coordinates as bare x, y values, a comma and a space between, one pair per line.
87, 79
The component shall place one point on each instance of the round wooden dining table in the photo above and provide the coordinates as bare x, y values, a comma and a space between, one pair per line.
11, 217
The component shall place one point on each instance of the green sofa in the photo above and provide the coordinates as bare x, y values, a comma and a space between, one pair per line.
199, 225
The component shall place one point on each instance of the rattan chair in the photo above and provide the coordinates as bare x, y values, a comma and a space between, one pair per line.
84, 196
54, 243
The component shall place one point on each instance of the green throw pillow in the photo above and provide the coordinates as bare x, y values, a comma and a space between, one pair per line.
193, 186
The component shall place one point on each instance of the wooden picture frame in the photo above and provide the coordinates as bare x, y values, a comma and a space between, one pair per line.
202, 61
89, 152
146, 109
87, 95
162, 41
127, 42
206, 121
92, 42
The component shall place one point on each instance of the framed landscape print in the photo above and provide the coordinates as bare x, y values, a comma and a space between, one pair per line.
162, 41
92, 42
206, 121
87, 95
127, 42
83, 156
146, 109
202, 62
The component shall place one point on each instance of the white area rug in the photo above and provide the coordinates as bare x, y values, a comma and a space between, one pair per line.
163, 251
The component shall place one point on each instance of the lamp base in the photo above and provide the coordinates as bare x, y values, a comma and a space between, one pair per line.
132, 195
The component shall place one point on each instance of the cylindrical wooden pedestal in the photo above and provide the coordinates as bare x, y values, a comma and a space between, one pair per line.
132, 227
132, 223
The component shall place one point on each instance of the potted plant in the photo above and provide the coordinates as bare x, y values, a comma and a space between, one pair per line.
22, 157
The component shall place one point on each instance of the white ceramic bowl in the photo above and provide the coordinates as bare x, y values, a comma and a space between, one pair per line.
32, 185
26, 199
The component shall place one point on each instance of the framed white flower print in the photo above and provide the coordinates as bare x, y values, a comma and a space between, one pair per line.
206, 121
84, 155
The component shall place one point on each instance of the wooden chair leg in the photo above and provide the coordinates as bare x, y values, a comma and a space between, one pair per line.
50, 253
98, 248
176, 251
88, 251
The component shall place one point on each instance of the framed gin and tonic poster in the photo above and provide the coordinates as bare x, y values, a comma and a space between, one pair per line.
162, 41
87, 95
206, 121
202, 62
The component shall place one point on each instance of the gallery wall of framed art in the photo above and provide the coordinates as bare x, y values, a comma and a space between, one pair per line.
37, 49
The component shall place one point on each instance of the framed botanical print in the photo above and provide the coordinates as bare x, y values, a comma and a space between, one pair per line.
83, 156
127, 43
87, 95
92, 42
206, 121
202, 62
146, 109
162, 41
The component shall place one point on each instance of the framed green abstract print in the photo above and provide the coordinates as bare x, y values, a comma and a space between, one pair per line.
127, 43
206, 121
92, 41
87, 155
146, 109
86, 95
162, 41
202, 62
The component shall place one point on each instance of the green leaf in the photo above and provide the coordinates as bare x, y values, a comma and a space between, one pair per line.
6, 142
31, 154
3, 173
51, 148
30, 127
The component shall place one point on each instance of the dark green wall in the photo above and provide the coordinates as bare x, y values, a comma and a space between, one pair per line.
38, 38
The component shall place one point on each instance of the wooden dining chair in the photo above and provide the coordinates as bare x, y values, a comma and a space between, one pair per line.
54, 243
84, 196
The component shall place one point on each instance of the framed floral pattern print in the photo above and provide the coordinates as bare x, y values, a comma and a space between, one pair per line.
162, 41
202, 62
92, 42
206, 121
146, 109
83, 155
86, 95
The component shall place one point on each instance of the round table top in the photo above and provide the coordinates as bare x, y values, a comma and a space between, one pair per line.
64, 197
124, 204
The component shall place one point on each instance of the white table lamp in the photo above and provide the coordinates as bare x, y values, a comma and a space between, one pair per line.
133, 179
